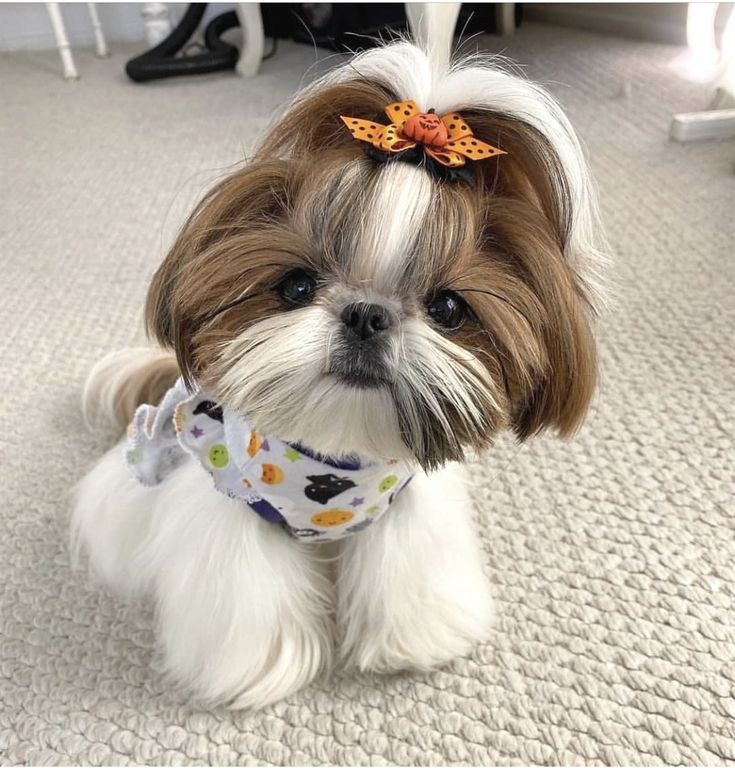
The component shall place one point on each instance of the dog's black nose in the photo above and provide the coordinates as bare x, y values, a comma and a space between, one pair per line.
363, 321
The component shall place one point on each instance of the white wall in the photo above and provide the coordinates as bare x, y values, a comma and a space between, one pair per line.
662, 22
26, 26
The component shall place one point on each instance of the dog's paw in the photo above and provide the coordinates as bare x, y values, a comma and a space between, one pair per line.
420, 634
244, 613
412, 591
250, 628
248, 666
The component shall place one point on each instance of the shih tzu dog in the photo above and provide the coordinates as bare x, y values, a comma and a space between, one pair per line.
405, 267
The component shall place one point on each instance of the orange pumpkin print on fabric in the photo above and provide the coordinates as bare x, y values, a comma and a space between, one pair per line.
254, 443
272, 474
330, 518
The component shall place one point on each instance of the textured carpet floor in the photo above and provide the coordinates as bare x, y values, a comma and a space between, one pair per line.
612, 557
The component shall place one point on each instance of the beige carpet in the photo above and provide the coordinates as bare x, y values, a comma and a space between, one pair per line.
613, 557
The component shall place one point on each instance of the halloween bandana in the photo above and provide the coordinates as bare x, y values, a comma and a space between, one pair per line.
313, 498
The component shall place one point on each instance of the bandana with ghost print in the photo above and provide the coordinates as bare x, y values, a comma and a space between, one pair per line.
312, 497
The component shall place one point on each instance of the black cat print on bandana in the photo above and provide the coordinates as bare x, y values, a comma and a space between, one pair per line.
312, 497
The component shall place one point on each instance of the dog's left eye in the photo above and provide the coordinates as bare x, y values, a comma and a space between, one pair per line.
447, 309
297, 288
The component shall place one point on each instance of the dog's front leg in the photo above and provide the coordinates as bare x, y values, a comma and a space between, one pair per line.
411, 588
244, 612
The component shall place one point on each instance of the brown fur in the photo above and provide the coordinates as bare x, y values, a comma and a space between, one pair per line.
525, 214
123, 380
147, 384
313, 123
501, 245
231, 245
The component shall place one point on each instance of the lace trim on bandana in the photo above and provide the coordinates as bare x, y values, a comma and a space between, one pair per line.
313, 497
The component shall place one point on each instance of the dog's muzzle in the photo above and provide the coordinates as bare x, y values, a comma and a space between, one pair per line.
360, 355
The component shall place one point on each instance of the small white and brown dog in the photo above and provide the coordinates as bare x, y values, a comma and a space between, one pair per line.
406, 266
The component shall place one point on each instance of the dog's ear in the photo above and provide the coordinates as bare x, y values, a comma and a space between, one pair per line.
529, 223
159, 314
562, 390
200, 272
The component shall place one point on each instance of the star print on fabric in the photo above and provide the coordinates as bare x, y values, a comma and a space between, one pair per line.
313, 496
292, 455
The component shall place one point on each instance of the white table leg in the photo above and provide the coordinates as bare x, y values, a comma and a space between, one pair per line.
718, 122
253, 40
701, 126
62, 41
156, 21
99, 35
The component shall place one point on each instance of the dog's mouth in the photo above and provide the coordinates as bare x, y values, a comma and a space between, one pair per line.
360, 381
363, 368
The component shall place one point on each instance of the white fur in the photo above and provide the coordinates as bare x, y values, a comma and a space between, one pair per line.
277, 371
110, 521
486, 82
244, 612
396, 212
430, 365
411, 588
431, 26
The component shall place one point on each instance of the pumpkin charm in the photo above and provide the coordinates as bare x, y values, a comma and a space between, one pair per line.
426, 128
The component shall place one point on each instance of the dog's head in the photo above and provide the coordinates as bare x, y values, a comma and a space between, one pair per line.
375, 308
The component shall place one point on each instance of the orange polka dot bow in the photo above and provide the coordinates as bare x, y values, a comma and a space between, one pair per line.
448, 139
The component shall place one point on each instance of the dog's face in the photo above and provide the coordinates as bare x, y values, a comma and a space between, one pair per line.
371, 309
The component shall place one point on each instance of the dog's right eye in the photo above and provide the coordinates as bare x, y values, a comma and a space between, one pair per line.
447, 309
297, 289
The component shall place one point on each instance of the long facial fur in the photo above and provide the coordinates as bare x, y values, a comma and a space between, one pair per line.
515, 247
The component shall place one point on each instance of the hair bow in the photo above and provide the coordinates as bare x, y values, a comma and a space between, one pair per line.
448, 139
